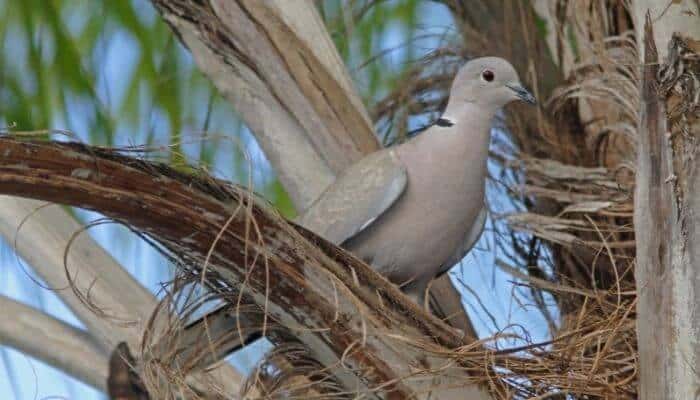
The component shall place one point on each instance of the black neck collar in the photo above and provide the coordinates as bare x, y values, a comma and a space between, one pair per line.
444, 122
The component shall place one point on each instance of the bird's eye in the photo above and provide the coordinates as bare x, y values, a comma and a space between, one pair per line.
487, 75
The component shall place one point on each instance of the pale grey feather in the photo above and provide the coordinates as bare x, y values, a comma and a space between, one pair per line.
473, 235
357, 198
416, 209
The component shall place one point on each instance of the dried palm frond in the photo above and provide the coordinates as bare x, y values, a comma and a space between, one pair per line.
568, 169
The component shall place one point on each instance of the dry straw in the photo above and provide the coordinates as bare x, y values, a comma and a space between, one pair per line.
569, 172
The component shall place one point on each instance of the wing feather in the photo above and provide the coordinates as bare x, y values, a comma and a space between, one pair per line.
470, 240
357, 198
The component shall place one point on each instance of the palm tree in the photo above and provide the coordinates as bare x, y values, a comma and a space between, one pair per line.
571, 234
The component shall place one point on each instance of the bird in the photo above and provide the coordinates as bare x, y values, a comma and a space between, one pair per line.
414, 210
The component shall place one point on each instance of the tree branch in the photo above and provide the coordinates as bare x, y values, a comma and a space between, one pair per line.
275, 62
54, 342
339, 307
24, 223
127, 305
212, 337
666, 209
277, 65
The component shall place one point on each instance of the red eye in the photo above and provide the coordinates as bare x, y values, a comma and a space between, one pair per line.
487, 75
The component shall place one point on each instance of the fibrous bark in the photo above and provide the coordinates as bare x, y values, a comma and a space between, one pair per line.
123, 382
667, 204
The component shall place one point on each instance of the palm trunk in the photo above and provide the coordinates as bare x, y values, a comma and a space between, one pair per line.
667, 202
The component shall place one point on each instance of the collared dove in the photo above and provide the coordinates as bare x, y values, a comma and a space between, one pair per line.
414, 210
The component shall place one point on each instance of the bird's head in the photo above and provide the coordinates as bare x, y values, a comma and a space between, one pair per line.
489, 82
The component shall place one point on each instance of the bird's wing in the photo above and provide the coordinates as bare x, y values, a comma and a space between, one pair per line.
475, 231
469, 240
357, 198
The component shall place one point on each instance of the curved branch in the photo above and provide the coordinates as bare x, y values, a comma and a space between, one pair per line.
25, 223
277, 65
331, 300
126, 303
54, 342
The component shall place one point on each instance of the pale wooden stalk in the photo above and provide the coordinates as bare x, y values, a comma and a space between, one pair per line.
274, 61
54, 342
41, 233
667, 215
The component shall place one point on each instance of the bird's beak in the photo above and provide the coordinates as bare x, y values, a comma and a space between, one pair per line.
522, 93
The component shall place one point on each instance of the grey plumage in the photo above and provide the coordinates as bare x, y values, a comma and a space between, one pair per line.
414, 210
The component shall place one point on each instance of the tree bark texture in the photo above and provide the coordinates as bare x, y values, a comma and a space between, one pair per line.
123, 382
667, 207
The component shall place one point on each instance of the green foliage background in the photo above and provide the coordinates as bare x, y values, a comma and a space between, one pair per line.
112, 73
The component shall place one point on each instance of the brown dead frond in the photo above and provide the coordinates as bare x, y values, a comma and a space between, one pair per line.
290, 372
569, 173
248, 284
568, 169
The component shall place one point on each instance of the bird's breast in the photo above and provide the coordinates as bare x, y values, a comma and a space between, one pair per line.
422, 231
